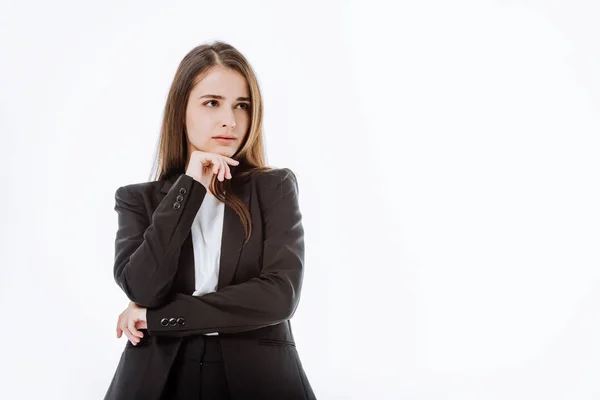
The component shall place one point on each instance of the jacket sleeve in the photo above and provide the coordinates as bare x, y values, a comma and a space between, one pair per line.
147, 249
265, 300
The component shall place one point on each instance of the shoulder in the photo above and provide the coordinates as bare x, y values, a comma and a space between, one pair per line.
139, 189
276, 186
275, 178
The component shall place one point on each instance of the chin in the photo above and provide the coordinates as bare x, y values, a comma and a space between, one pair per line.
224, 151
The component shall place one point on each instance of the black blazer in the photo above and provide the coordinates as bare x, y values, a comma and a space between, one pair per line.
258, 288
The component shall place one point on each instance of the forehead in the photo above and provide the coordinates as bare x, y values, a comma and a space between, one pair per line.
222, 81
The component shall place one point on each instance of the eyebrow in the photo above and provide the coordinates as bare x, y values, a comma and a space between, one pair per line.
216, 96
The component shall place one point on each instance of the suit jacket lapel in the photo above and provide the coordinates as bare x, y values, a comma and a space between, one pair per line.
232, 239
231, 243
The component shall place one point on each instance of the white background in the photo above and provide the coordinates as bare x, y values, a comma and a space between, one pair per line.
447, 156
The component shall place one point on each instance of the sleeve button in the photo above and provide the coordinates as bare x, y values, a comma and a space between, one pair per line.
172, 322
164, 322
182, 191
180, 321
176, 205
180, 198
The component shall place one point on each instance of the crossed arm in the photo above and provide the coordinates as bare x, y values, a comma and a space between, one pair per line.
265, 300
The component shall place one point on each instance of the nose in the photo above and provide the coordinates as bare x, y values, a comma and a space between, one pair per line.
232, 123
230, 117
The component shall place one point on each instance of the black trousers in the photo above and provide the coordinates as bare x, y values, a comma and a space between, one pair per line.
198, 372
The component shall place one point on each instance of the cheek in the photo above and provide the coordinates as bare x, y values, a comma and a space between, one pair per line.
244, 121
198, 125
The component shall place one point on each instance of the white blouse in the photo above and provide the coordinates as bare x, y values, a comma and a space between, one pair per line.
207, 232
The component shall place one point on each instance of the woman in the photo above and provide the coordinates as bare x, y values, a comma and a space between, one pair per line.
211, 252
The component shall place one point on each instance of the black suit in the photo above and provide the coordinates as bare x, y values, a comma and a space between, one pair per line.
258, 288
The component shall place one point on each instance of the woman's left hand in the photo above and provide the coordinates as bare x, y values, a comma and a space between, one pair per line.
130, 320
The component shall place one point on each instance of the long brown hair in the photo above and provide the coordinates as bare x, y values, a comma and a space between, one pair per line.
172, 150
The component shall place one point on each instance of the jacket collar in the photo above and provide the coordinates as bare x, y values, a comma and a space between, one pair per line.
231, 241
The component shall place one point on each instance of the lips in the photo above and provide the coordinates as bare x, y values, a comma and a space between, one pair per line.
224, 140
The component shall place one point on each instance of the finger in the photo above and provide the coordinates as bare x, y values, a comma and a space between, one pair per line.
226, 172
231, 161
123, 328
222, 170
132, 328
140, 324
220, 174
119, 323
131, 337
216, 163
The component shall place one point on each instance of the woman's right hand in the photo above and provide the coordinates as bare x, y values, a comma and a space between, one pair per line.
128, 322
204, 165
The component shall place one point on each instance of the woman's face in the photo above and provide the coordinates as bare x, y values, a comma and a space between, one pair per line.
219, 105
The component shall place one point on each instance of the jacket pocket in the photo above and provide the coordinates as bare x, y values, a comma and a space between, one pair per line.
144, 342
274, 342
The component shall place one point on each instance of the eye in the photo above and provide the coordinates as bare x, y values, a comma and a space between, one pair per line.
246, 106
